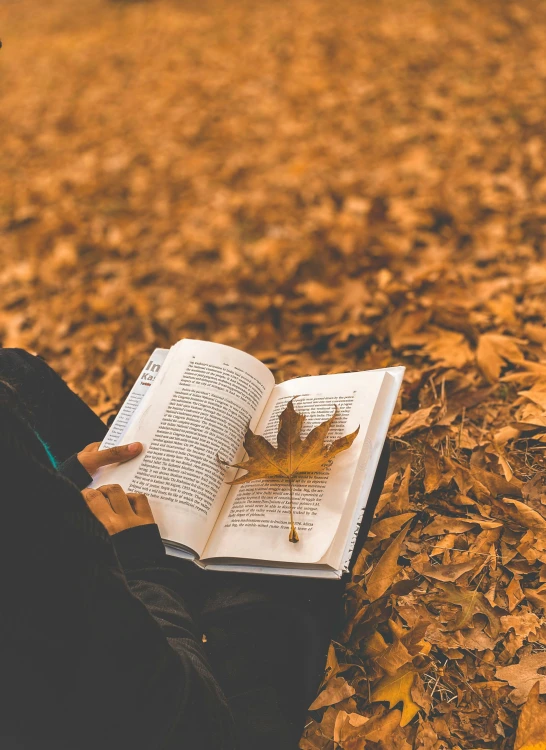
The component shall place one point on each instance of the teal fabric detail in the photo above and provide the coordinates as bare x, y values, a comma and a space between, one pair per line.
48, 451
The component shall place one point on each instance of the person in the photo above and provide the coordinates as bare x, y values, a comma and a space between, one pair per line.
107, 642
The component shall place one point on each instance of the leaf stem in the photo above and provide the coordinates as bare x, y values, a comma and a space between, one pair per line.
293, 536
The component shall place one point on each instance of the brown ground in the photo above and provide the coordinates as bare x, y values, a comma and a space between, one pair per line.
330, 186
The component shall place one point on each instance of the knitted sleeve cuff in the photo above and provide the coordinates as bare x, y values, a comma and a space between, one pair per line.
72, 469
138, 543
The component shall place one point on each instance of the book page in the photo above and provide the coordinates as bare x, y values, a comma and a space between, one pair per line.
200, 405
141, 388
344, 543
254, 522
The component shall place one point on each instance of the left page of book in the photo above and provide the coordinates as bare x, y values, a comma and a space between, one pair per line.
199, 406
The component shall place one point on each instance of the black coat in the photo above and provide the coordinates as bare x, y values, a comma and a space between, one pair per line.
98, 648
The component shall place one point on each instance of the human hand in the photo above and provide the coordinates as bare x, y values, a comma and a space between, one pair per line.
118, 510
91, 458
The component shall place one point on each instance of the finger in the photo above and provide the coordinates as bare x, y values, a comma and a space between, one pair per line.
117, 454
100, 508
117, 498
141, 505
97, 502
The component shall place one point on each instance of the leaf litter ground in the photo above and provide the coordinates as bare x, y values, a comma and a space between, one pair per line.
329, 186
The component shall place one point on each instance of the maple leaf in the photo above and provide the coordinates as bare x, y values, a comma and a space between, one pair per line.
493, 350
471, 603
292, 455
397, 689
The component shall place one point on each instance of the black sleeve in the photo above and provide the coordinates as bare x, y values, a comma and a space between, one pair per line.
141, 554
203, 718
57, 414
72, 469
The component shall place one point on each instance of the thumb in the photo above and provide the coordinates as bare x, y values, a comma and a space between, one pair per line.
118, 454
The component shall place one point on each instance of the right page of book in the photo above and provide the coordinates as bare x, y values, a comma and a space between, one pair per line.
254, 522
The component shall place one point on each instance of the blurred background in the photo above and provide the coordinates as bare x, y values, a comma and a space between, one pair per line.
329, 186
284, 177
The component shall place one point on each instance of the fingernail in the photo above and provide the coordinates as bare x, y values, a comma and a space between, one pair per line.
134, 447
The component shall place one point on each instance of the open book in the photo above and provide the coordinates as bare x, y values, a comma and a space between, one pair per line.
194, 402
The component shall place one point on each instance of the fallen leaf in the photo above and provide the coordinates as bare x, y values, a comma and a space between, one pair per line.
332, 665
374, 645
386, 526
387, 568
380, 728
531, 731
449, 349
421, 696
394, 657
537, 597
335, 691
449, 524
433, 471
514, 594
523, 623
537, 394
535, 332
348, 725
417, 421
493, 351
471, 603
524, 675
494, 483
401, 501
449, 572
397, 689
426, 738
525, 515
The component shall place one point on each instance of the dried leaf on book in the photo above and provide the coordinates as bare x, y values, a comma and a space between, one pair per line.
292, 455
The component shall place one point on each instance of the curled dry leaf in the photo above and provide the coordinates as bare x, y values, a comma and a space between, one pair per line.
450, 572
393, 657
401, 502
524, 623
470, 604
524, 675
524, 515
531, 731
417, 421
335, 691
449, 349
433, 469
514, 594
387, 568
493, 351
348, 726
537, 597
387, 526
380, 728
